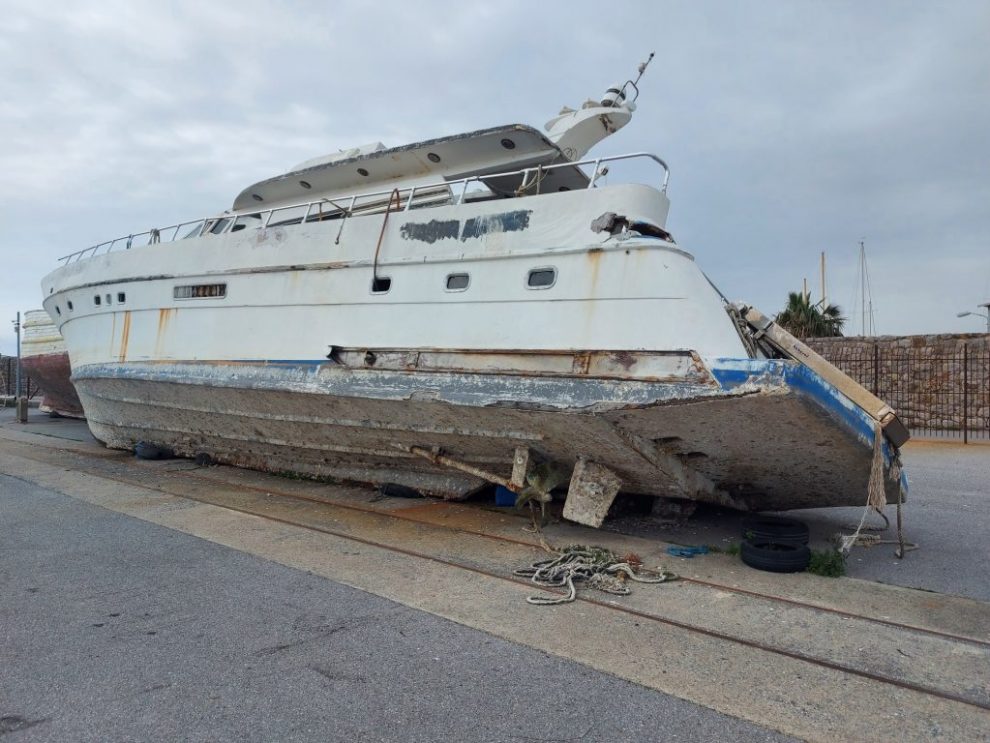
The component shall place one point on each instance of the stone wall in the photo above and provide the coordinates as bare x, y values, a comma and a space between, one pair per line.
936, 383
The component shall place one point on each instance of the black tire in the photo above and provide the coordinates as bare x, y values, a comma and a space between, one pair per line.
776, 557
776, 529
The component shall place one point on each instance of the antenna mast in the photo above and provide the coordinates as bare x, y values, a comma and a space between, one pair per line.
867, 325
824, 292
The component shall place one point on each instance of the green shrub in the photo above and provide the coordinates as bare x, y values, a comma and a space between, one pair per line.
828, 562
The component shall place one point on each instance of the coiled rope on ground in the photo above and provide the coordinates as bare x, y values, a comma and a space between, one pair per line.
595, 567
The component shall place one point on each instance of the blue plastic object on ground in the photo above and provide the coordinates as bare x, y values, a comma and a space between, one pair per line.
504, 496
678, 551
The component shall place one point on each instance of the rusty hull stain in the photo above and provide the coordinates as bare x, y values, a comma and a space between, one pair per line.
165, 315
125, 335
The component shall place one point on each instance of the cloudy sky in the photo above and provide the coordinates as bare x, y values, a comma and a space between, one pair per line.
790, 127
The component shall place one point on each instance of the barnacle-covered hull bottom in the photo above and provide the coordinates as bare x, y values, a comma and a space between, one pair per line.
748, 434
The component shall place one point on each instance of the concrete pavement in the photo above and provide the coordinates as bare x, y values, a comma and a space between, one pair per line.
117, 629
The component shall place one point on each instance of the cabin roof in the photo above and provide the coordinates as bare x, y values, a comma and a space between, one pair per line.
486, 151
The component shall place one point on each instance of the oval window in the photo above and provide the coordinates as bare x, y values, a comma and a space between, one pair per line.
541, 278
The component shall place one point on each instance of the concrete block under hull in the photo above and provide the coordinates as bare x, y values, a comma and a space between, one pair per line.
766, 437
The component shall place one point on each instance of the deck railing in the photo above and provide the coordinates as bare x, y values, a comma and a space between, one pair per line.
440, 193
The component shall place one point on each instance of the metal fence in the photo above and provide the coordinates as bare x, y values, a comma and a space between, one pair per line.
8, 379
937, 393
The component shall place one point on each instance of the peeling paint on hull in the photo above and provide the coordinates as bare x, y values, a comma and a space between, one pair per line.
771, 435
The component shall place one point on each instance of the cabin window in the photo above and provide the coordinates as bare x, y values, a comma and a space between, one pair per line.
219, 226
380, 284
108, 299
58, 310
287, 216
69, 303
121, 297
200, 291
194, 232
541, 278
96, 300
458, 282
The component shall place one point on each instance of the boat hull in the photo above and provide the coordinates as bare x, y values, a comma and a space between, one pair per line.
52, 372
45, 360
764, 435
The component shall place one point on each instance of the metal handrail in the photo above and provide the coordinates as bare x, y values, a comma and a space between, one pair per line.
425, 192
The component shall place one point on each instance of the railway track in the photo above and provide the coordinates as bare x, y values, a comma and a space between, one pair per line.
474, 542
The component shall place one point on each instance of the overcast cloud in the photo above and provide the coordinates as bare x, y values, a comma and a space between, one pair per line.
790, 127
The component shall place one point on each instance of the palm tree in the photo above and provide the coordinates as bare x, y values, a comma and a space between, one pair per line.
806, 320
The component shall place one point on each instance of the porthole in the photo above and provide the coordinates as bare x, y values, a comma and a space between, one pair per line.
362, 171
305, 184
541, 278
121, 297
458, 282
433, 157
508, 144
380, 284
69, 303
256, 197
57, 310
96, 300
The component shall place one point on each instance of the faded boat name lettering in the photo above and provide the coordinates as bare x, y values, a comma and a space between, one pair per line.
430, 232
435, 229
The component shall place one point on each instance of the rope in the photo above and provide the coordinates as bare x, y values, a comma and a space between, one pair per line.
397, 198
596, 567
524, 187
876, 499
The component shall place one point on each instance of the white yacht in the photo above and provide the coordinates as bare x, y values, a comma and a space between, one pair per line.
450, 313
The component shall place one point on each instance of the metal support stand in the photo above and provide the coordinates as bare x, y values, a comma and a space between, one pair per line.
520, 466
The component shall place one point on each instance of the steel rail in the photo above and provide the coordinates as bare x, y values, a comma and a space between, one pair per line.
111, 455
537, 545
686, 626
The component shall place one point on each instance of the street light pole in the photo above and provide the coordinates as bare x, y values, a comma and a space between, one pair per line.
986, 306
17, 372
20, 404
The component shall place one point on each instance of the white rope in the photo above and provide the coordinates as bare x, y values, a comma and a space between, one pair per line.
598, 567
876, 499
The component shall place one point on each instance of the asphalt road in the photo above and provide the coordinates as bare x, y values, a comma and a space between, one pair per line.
116, 629
947, 514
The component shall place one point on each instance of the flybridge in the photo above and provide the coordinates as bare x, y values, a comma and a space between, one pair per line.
529, 181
